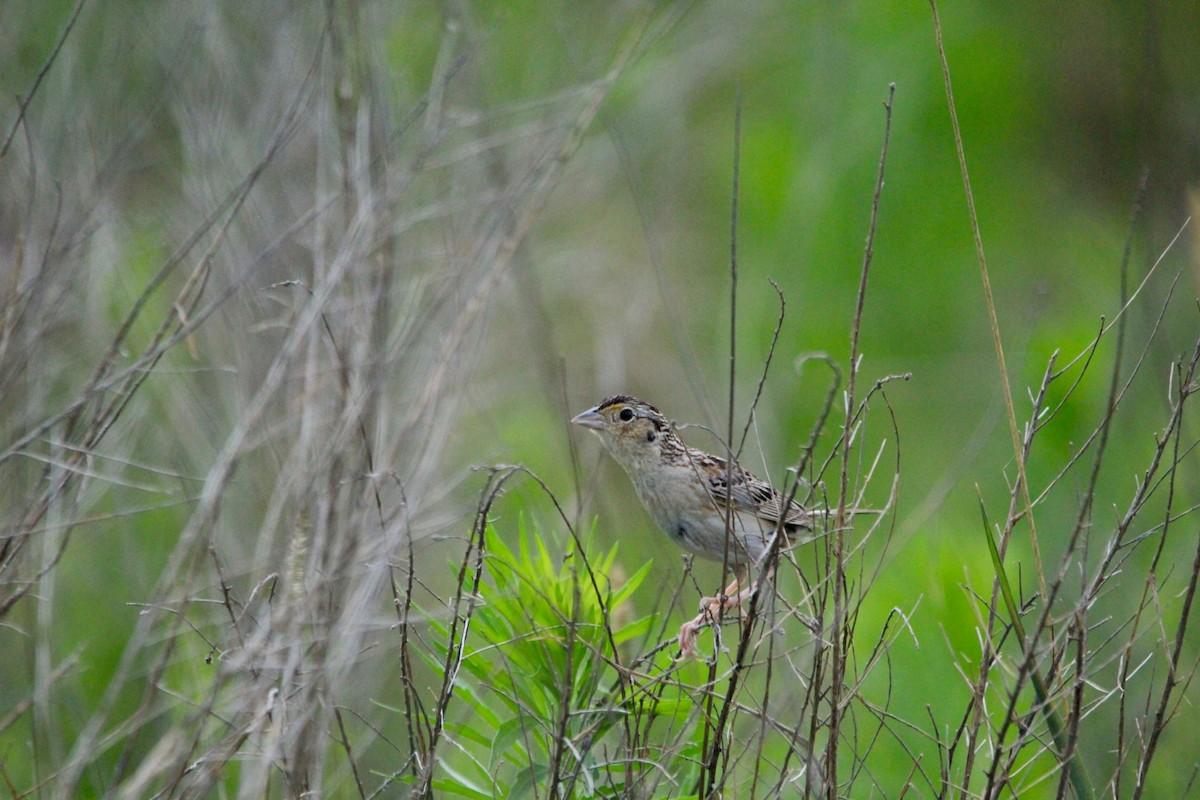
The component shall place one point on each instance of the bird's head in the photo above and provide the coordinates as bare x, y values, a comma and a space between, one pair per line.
629, 428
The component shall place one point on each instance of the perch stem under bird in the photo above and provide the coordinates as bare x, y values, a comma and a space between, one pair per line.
715, 509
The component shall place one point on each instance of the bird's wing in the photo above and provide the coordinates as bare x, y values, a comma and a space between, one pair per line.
750, 493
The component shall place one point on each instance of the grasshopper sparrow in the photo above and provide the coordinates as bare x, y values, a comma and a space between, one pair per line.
689, 493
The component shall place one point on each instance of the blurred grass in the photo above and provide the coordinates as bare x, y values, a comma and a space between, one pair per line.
153, 113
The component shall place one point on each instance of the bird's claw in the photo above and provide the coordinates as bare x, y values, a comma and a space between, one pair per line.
687, 639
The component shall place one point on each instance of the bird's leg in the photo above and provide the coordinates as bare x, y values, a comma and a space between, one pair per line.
710, 612
726, 598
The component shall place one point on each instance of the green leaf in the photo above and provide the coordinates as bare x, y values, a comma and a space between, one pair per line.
469, 731
466, 693
527, 779
509, 741
622, 595
634, 630
452, 785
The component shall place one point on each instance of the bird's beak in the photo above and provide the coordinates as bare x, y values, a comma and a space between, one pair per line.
591, 419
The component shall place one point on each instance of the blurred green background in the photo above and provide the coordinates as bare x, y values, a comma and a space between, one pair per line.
153, 111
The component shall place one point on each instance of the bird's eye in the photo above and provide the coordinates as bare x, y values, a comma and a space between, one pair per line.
625, 415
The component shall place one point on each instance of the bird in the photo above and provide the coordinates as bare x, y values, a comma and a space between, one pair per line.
716, 510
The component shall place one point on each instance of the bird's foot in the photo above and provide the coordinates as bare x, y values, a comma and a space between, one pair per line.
687, 636
712, 610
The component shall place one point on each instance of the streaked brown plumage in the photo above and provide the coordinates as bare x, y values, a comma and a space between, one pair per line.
689, 493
